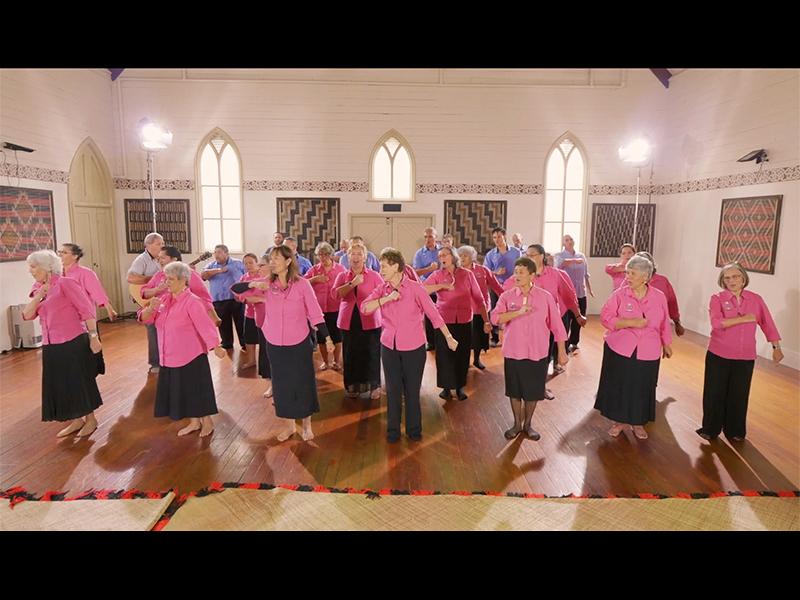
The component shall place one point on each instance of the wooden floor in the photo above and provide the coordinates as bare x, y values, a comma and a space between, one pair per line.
463, 447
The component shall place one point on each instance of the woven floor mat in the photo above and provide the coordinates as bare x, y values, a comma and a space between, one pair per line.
280, 509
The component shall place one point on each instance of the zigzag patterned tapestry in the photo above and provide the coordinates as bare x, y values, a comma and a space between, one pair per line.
471, 221
612, 226
26, 222
311, 221
748, 232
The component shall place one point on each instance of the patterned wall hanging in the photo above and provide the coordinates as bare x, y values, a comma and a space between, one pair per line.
172, 222
748, 232
471, 222
26, 222
311, 221
612, 226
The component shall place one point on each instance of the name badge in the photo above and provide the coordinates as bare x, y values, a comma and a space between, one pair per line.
727, 305
629, 307
513, 306
275, 290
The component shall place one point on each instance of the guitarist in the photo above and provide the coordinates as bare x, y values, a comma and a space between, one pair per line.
142, 270
157, 286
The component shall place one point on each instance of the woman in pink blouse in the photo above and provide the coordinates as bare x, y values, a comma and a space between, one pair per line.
403, 304
290, 304
660, 282
730, 359
530, 317
255, 305
486, 279
70, 343
617, 270
457, 291
361, 333
185, 336
638, 335
250, 261
322, 277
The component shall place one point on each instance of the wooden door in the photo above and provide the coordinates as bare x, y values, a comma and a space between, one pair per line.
402, 232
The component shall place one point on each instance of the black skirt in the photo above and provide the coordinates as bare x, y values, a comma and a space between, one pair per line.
294, 382
333, 329
627, 389
187, 391
525, 378
452, 367
264, 368
361, 354
250, 331
69, 386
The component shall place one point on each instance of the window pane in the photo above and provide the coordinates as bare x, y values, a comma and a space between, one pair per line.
555, 171
209, 174
210, 202
212, 235
552, 237
232, 234
573, 203
229, 167
392, 144
231, 204
552, 205
575, 171
574, 229
401, 177
381, 175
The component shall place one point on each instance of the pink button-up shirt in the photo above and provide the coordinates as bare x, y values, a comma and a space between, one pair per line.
660, 282
403, 325
738, 342
195, 284
617, 278
486, 279
623, 304
63, 310
259, 308
557, 283
528, 336
288, 311
355, 297
184, 329
327, 302
249, 308
88, 280
455, 305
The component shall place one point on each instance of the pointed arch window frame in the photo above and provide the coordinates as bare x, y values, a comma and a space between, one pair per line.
227, 142
581, 241
380, 146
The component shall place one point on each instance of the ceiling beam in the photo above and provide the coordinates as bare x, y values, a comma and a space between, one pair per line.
663, 76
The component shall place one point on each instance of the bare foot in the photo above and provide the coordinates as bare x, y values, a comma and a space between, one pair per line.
194, 425
286, 434
76, 425
89, 427
207, 426
307, 434
268, 393
376, 394
616, 429
639, 432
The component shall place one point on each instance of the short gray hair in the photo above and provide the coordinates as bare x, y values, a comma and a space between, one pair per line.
47, 260
180, 270
152, 237
641, 264
473, 254
324, 248
738, 267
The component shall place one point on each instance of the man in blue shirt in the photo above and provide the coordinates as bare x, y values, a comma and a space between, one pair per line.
277, 237
500, 261
221, 274
302, 262
426, 261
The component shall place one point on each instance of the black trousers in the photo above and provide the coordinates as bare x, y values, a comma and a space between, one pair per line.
230, 312
430, 338
152, 345
403, 371
571, 324
726, 391
495, 329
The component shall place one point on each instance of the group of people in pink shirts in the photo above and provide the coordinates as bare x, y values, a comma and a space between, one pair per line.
361, 319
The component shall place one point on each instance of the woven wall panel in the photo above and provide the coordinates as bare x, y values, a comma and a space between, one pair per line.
748, 232
26, 222
471, 221
612, 226
311, 221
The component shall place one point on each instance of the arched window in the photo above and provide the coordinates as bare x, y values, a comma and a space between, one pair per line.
220, 176
565, 194
392, 169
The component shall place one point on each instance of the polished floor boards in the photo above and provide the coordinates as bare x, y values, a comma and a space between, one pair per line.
463, 448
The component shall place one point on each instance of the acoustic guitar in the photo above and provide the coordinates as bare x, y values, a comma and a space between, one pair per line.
136, 290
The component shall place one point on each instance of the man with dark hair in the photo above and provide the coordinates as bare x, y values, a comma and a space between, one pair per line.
500, 261
277, 238
221, 274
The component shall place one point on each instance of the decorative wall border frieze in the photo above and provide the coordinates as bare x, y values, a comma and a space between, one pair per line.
33, 173
307, 186
159, 184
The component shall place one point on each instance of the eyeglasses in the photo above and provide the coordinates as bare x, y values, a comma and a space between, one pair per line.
61, 252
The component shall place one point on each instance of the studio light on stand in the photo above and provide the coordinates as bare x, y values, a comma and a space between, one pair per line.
152, 138
637, 153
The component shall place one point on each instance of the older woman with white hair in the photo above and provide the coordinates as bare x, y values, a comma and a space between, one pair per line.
69, 345
185, 336
322, 277
638, 335
730, 359
486, 281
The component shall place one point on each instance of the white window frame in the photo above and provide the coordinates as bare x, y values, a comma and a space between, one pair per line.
413, 169
581, 243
